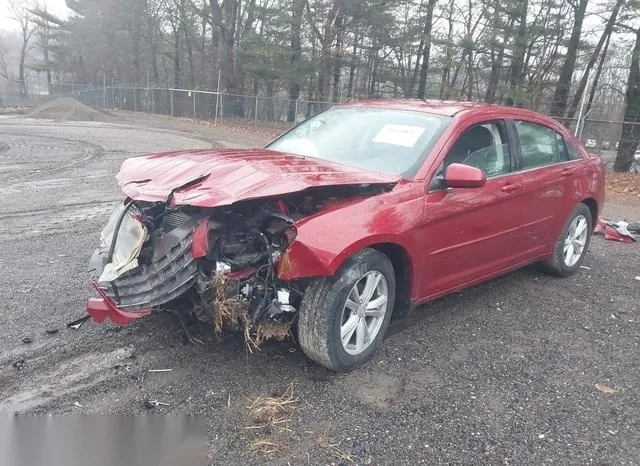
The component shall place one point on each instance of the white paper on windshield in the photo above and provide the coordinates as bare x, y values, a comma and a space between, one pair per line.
399, 135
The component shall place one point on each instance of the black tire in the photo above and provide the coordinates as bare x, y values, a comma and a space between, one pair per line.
557, 265
321, 311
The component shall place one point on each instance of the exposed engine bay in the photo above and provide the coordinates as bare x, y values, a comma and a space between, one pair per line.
218, 264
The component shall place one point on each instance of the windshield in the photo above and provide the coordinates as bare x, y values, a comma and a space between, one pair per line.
384, 140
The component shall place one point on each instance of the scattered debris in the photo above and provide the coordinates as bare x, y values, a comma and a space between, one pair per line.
637, 277
271, 410
605, 389
27, 340
51, 331
263, 447
147, 404
150, 404
76, 324
160, 370
585, 267
19, 364
77, 404
622, 231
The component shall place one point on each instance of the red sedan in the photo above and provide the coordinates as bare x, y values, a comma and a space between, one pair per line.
363, 211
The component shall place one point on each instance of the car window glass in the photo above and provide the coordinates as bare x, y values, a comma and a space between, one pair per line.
572, 150
483, 146
385, 140
539, 145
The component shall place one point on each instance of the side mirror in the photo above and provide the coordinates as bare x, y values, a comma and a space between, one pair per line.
459, 175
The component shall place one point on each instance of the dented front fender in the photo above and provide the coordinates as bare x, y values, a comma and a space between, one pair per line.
327, 239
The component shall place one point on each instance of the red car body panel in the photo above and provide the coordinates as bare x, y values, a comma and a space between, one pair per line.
459, 237
103, 308
213, 178
451, 238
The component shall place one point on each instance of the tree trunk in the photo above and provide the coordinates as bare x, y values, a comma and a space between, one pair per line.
630, 129
374, 70
337, 59
294, 59
21, 73
517, 62
352, 66
177, 72
596, 79
561, 94
446, 70
592, 60
426, 51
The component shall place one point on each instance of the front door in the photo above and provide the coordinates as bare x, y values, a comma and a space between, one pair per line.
471, 233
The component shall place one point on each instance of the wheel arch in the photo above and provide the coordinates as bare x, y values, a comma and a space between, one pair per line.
592, 204
402, 267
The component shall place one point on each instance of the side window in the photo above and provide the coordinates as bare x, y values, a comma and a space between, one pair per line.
483, 146
574, 153
540, 146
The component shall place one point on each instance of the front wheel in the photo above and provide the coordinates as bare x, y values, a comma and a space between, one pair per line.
571, 246
343, 319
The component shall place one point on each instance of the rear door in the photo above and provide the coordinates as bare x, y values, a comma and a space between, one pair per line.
469, 233
550, 175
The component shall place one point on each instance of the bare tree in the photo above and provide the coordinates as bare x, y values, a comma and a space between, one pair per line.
20, 12
4, 66
561, 95
630, 129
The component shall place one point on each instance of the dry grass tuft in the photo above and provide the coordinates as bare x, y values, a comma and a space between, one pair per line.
333, 448
272, 331
344, 456
263, 447
230, 310
267, 411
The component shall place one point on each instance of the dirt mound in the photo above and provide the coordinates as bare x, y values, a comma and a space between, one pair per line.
68, 109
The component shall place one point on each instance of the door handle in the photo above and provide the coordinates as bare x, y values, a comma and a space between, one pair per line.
507, 188
567, 172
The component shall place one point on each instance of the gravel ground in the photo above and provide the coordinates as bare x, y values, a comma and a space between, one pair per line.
504, 372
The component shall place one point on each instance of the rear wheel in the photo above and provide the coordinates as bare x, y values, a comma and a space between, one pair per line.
571, 246
342, 319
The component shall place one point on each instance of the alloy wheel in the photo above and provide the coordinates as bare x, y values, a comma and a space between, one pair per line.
574, 243
364, 312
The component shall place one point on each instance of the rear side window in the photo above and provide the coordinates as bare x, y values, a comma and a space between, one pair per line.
540, 146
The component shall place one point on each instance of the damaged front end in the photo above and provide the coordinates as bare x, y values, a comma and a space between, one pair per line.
219, 264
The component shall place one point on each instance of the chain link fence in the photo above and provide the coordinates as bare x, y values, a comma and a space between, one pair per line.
16, 93
601, 137
199, 104
605, 138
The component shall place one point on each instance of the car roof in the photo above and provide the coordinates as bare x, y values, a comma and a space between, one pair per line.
439, 107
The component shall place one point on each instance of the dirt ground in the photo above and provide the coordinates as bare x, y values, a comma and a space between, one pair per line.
525, 369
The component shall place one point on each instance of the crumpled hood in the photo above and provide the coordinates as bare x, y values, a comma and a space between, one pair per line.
217, 177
